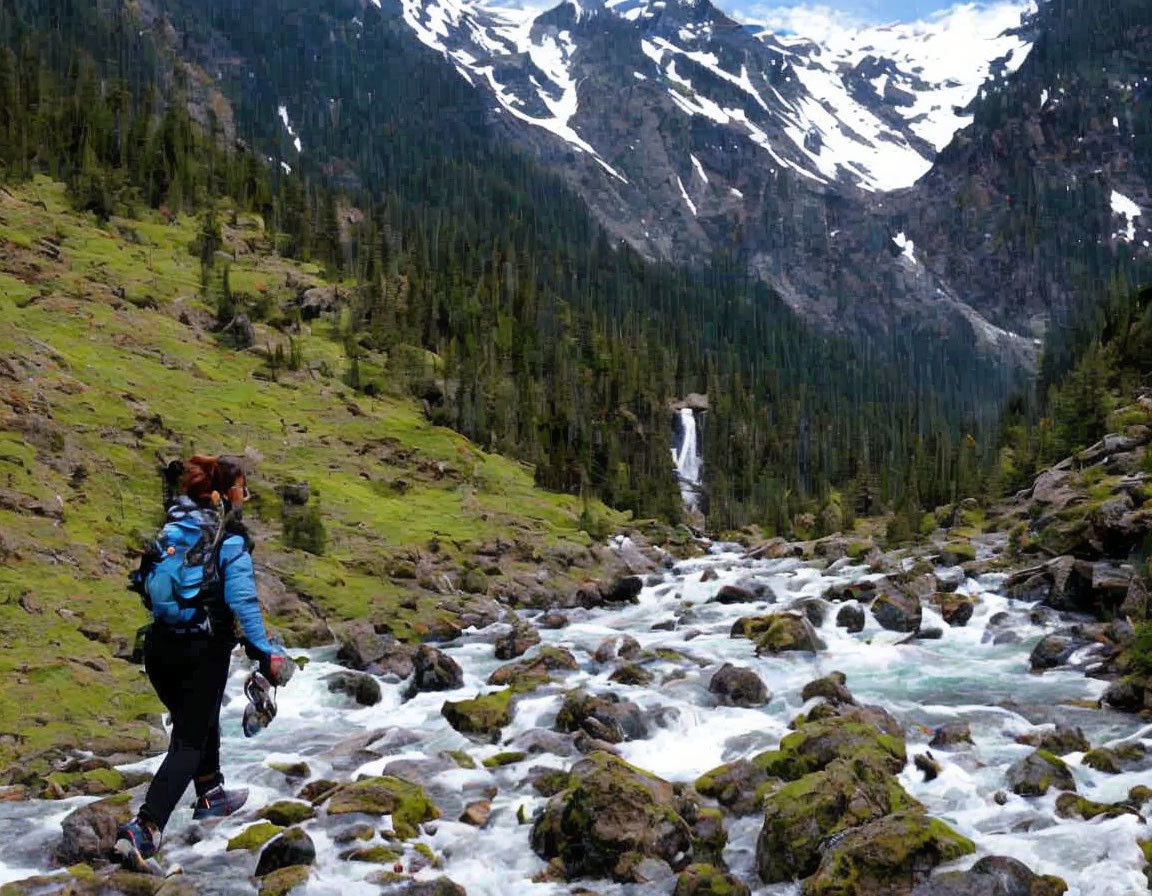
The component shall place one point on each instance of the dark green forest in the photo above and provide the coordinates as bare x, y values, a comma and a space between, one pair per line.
558, 347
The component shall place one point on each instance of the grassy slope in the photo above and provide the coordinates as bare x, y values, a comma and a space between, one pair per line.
96, 388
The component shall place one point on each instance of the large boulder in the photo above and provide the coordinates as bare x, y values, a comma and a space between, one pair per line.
851, 617
736, 686
887, 857
788, 632
708, 880
361, 687
855, 732
365, 650
434, 670
801, 816
293, 847
1060, 741
89, 833
992, 876
737, 786
1037, 772
951, 736
483, 716
897, 611
1055, 650
407, 803
611, 815
608, 718
529, 674
956, 609
624, 590
517, 642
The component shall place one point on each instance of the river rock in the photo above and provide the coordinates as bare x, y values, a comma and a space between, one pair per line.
992, 876
851, 617
956, 609
623, 647
364, 650
284, 813
607, 717
1114, 760
407, 803
362, 688
897, 611
948, 580
293, 847
632, 675
517, 642
951, 735
282, 880
788, 632
89, 832
1072, 805
852, 733
832, 687
735, 785
1061, 741
625, 590
1130, 694
529, 674
610, 814
737, 686
484, 715
708, 880
734, 594
1036, 773
477, 813
800, 816
434, 670
887, 857
1054, 650
552, 620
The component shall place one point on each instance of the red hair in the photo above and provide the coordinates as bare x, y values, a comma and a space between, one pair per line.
205, 475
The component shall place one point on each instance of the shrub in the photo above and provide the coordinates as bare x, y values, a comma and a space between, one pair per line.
303, 527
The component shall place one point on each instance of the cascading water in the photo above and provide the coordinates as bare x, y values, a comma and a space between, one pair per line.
687, 458
974, 674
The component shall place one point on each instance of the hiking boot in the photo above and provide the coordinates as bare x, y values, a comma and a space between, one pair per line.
135, 848
218, 802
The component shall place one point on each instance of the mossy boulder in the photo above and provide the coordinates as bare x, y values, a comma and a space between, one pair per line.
1061, 741
287, 812
610, 812
529, 674
254, 836
859, 733
90, 782
956, 609
293, 847
407, 803
737, 686
1038, 772
1072, 805
510, 757
89, 832
517, 642
434, 670
380, 854
293, 771
631, 674
832, 687
708, 880
1114, 760
887, 857
788, 632
283, 880
483, 716
897, 610
956, 552
993, 876
800, 816
737, 786
709, 836
606, 717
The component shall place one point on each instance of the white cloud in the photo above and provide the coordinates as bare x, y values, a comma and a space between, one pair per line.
816, 22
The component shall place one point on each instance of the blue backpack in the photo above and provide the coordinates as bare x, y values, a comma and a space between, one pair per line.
179, 578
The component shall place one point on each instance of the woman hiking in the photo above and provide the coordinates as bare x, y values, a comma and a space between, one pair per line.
200, 586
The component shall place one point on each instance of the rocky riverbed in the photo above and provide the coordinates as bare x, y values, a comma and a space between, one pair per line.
729, 724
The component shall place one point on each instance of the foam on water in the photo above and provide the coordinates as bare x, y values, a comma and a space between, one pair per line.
962, 676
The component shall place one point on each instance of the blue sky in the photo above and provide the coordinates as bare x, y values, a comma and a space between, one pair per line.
872, 11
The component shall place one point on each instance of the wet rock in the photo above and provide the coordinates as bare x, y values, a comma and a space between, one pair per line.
611, 813
1114, 760
1061, 741
402, 885
709, 575
1128, 695
631, 674
608, 717
552, 620
362, 649
1054, 650
708, 880
788, 632
800, 817
737, 786
317, 791
254, 836
927, 765
813, 608
951, 735
477, 813
736, 686
89, 832
853, 732
379, 854
529, 674
293, 771
434, 670
407, 803
484, 715
1072, 805
832, 687
889, 856
283, 880
1038, 772
956, 609
897, 611
637, 868
926, 634
992, 876
517, 642
362, 688
625, 590
362, 832
733, 594
541, 740
709, 836
293, 847
956, 552
285, 813
851, 617
623, 647
948, 580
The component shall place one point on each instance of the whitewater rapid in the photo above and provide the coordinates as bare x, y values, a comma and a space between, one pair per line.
961, 677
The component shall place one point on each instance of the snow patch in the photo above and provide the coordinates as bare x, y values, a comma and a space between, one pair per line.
691, 205
282, 111
1125, 208
906, 246
699, 169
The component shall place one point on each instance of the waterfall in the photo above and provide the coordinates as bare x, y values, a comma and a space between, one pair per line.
687, 459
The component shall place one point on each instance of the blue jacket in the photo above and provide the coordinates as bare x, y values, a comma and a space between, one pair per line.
173, 586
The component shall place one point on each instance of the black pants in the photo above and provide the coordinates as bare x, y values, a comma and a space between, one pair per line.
189, 673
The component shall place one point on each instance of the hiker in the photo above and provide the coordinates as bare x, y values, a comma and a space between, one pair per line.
199, 584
